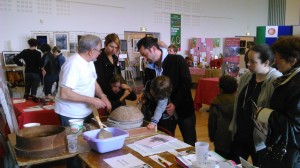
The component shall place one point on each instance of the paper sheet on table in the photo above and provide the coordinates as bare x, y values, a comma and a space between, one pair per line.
155, 140
126, 161
33, 108
146, 151
48, 107
246, 164
188, 160
19, 101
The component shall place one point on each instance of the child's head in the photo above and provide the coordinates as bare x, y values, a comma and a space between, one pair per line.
227, 84
115, 83
161, 87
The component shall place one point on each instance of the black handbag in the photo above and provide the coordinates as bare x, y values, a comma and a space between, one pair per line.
281, 154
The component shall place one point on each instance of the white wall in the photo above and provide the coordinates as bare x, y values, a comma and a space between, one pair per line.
292, 12
200, 18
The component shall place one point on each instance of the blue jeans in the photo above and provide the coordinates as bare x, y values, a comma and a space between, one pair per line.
48, 83
65, 120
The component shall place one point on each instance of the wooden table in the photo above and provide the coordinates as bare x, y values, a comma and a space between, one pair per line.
198, 73
94, 159
207, 89
81, 148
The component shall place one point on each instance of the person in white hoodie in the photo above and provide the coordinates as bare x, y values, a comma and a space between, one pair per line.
255, 89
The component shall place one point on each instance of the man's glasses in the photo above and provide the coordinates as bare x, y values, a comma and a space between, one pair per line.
99, 51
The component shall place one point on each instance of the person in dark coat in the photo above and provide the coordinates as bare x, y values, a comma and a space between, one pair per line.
220, 116
283, 115
121, 92
50, 69
107, 64
181, 106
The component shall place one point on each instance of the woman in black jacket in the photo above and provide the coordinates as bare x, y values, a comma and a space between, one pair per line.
283, 116
107, 63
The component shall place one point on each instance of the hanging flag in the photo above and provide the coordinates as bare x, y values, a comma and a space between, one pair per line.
269, 34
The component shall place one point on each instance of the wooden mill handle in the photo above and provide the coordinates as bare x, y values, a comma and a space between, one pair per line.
96, 115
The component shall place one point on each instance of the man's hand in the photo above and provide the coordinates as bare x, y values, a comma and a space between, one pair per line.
170, 109
98, 103
107, 103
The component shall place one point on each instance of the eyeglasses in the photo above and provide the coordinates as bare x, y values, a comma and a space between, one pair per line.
99, 51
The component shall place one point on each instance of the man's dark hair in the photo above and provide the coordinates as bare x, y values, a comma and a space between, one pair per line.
147, 42
228, 84
32, 42
45, 48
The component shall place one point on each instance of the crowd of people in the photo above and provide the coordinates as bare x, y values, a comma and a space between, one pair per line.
254, 116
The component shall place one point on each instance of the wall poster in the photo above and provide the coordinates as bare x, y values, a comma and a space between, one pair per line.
176, 30
231, 51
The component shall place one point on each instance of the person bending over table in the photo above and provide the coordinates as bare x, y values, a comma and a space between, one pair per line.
78, 86
181, 101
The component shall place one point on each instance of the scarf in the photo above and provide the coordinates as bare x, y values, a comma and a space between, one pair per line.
286, 77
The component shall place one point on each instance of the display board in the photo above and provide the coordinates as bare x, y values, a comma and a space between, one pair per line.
205, 48
7, 104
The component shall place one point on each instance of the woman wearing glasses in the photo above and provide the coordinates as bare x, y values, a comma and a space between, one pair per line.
255, 89
107, 63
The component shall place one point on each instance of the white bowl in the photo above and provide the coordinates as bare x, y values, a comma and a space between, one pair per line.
31, 125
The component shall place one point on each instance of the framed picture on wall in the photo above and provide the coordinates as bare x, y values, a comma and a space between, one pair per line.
8, 58
61, 40
243, 43
134, 45
15, 78
42, 38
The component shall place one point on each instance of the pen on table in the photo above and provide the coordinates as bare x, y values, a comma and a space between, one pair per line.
163, 162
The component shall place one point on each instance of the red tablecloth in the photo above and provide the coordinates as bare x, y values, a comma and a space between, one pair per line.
207, 89
44, 117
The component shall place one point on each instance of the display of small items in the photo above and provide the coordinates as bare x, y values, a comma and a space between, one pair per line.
15, 78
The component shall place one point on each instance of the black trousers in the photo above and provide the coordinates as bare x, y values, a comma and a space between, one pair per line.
32, 81
244, 150
187, 128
